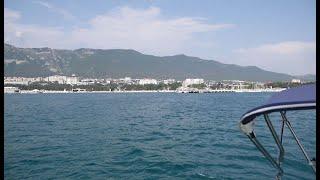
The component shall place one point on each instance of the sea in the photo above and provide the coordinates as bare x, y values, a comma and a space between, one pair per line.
147, 136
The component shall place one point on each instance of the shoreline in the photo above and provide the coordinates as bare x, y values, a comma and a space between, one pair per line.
148, 91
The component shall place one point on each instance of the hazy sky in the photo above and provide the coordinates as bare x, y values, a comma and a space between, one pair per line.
276, 35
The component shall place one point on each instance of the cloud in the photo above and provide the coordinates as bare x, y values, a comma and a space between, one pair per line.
282, 48
10, 15
145, 30
67, 15
293, 57
142, 29
26, 35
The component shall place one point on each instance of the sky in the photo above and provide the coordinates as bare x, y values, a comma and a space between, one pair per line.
275, 35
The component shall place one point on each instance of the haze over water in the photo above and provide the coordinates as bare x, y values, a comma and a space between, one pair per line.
145, 136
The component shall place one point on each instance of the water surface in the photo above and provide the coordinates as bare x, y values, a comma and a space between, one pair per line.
145, 136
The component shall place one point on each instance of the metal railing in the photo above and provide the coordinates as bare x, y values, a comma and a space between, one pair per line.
273, 161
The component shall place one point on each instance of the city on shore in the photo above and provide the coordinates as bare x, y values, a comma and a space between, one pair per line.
67, 84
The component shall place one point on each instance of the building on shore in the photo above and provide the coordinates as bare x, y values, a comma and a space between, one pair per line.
126, 80
296, 81
57, 78
18, 80
63, 79
148, 81
189, 82
169, 81
72, 80
86, 82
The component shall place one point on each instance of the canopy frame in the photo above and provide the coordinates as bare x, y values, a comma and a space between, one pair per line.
248, 130
310, 162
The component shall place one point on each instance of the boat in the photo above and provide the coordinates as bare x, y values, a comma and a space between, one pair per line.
78, 90
293, 99
11, 90
37, 91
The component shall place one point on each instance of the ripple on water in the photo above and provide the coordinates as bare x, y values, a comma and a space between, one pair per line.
143, 136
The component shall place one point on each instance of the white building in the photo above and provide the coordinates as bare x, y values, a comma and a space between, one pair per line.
126, 80
106, 82
169, 81
17, 80
296, 81
57, 78
72, 80
188, 82
148, 81
86, 82
63, 79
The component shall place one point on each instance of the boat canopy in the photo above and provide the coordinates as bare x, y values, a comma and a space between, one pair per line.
298, 98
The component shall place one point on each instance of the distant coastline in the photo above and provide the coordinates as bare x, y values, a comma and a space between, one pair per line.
148, 91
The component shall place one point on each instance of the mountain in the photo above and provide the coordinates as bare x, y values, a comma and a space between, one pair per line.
117, 63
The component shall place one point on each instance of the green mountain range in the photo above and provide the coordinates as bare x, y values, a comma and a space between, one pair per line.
118, 63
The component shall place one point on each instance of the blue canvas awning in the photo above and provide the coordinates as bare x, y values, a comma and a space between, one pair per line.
298, 98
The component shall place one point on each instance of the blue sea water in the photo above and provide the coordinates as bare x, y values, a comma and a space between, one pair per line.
145, 136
